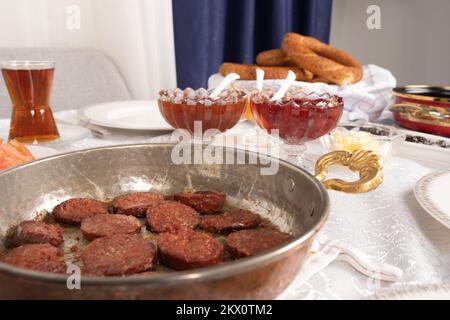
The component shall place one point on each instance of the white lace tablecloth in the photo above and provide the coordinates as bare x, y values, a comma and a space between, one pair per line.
387, 224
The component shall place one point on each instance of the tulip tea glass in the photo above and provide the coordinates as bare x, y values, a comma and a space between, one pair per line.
29, 84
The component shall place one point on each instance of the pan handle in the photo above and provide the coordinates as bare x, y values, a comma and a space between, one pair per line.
367, 163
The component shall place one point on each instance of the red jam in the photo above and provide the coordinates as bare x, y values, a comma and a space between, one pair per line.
298, 120
182, 108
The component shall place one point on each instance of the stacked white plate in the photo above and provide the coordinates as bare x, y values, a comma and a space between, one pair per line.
126, 115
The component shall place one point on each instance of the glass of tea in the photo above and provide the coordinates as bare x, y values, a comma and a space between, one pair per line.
29, 84
296, 118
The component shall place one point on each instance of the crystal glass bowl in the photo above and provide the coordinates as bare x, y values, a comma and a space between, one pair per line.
299, 117
375, 137
182, 109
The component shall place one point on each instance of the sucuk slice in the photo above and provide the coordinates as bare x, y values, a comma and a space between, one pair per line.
247, 243
202, 201
135, 203
109, 224
118, 255
73, 211
39, 257
166, 215
231, 220
33, 231
187, 249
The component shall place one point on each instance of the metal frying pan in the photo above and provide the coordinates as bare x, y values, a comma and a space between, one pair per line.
292, 199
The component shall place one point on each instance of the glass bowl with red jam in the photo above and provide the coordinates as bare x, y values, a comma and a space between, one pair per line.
298, 116
188, 109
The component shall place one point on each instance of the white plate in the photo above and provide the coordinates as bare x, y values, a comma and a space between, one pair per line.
129, 115
68, 133
421, 292
432, 192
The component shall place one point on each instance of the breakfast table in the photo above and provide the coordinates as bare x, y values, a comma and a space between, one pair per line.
387, 224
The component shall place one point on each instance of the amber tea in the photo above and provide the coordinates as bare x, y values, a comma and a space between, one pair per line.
29, 84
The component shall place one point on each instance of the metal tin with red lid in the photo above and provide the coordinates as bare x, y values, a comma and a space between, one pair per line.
423, 108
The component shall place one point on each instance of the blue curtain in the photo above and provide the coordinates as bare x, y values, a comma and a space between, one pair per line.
209, 32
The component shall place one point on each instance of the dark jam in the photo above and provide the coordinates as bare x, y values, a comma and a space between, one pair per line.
298, 120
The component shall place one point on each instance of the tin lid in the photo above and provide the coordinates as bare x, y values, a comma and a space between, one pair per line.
424, 92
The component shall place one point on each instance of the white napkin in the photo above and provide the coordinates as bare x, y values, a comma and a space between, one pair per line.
324, 251
364, 100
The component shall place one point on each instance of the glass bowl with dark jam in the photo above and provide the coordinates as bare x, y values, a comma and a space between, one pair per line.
296, 118
299, 117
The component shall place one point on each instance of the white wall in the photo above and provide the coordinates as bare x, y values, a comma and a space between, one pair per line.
414, 42
136, 34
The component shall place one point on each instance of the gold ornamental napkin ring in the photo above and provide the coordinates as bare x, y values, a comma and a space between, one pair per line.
368, 164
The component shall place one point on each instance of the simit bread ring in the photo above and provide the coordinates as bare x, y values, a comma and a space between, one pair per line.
274, 57
248, 71
319, 79
324, 50
277, 57
324, 65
